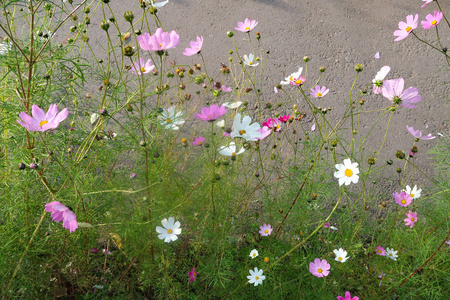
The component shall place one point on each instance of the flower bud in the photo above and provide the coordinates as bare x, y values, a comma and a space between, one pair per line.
371, 161
306, 58
399, 170
198, 80
153, 10
21, 166
361, 102
184, 142
34, 166
128, 50
389, 162
104, 25
322, 69
103, 112
414, 149
359, 68
128, 16
230, 34
187, 96
105, 1
399, 154
258, 35
142, 143
314, 196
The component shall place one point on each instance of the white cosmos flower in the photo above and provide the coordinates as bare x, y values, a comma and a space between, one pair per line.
221, 123
391, 253
347, 172
230, 150
292, 77
414, 192
244, 129
334, 228
254, 253
249, 61
170, 231
378, 80
94, 118
256, 276
170, 118
156, 4
232, 104
341, 255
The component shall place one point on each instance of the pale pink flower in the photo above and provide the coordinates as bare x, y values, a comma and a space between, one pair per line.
211, 113
265, 230
411, 219
406, 28
377, 55
381, 251
448, 243
426, 3
318, 92
198, 141
402, 199
246, 26
347, 297
142, 67
192, 275
60, 213
381, 276
418, 134
43, 121
224, 88
196, 47
159, 41
319, 268
379, 79
393, 90
265, 132
432, 20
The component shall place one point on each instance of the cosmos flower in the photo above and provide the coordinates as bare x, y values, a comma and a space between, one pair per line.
196, 47
417, 134
43, 121
192, 275
393, 90
402, 199
432, 20
221, 123
256, 276
274, 124
254, 253
426, 3
170, 231
406, 28
381, 251
294, 78
319, 268
265, 132
198, 141
265, 230
142, 67
379, 79
159, 41
60, 213
341, 255
347, 297
414, 192
347, 172
326, 225
244, 129
249, 61
411, 219
211, 113
170, 118
230, 150
391, 253
284, 118
318, 92
232, 105
247, 25
156, 4
224, 88
381, 276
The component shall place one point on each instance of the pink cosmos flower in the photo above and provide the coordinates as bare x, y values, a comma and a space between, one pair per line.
347, 297
381, 251
142, 67
393, 90
265, 132
43, 121
448, 243
297, 81
247, 25
211, 113
411, 219
326, 225
412, 154
196, 46
132, 175
379, 78
406, 28
426, 3
192, 275
284, 118
62, 213
319, 268
418, 134
318, 92
224, 88
402, 199
273, 123
432, 20
381, 276
265, 230
198, 141
159, 41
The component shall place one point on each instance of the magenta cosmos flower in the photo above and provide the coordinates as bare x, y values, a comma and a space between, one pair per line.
192, 275
402, 199
275, 124
43, 121
426, 2
381, 251
159, 41
196, 46
62, 213
142, 67
432, 20
198, 141
247, 25
265, 230
347, 297
284, 118
411, 219
393, 90
319, 268
406, 28
418, 134
211, 113
318, 92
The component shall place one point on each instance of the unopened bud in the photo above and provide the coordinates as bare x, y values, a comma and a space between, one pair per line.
128, 16
21, 166
322, 69
306, 58
230, 34
104, 25
371, 161
359, 68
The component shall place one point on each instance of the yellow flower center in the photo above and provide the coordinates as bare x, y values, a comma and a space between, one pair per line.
169, 231
412, 195
256, 277
319, 94
160, 45
199, 143
298, 81
241, 132
348, 173
433, 22
247, 28
233, 154
42, 123
250, 63
340, 258
266, 231
169, 120
412, 219
142, 70
408, 29
319, 270
403, 201
254, 254
379, 251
